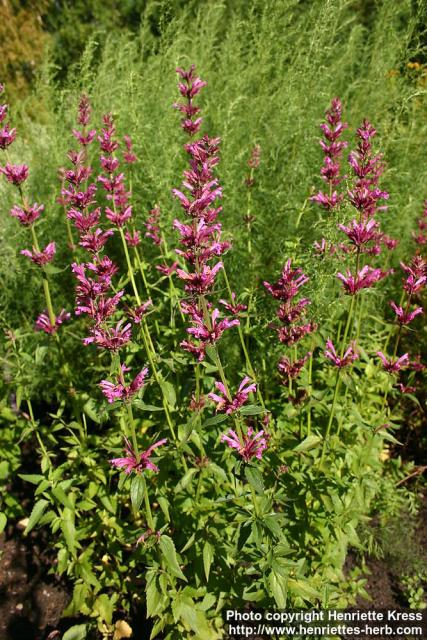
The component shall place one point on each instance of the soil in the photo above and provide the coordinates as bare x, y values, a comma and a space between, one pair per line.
31, 602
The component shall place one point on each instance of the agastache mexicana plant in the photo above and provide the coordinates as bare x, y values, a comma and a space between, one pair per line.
27, 215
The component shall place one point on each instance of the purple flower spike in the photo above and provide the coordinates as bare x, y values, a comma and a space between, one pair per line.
252, 446
137, 464
240, 398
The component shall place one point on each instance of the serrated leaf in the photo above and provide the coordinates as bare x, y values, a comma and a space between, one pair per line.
252, 410
254, 477
76, 632
168, 550
137, 488
36, 514
309, 443
208, 556
3, 521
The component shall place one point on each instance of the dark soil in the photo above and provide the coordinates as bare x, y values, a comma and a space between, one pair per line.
31, 602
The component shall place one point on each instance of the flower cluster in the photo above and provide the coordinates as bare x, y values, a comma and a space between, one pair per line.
253, 163
251, 446
120, 391
137, 462
347, 358
332, 148
290, 312
200, 238
223, 403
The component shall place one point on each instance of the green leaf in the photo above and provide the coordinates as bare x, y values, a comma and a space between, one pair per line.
3, 521
169, 393
278, 588
221, 417
252, 410
303, 589
59, 493
104, 607
184, 482
69, 530
208, 556
36, 514
52, 270
34, 478
76, 632
139, 404
254, 477
164, 506
137, 492
168, 550
309, 443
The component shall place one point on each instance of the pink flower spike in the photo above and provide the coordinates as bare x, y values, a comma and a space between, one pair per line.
138, 313
403, 316
233, 307
364, 279
7, 136
132, 463
111, 338
252, 446
391, 365
349, 356
41, 257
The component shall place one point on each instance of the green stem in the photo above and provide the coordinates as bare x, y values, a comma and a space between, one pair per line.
46, 289
331, 416
149, 514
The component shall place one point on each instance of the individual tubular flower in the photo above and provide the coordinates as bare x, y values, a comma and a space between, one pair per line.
120, 391
346, 359
417, 275
364, 279
43, 322
135, 462
167, 270
252, 446
393, 365
332, 148
139, 312
238, 400
41, 257
405, 316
